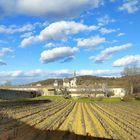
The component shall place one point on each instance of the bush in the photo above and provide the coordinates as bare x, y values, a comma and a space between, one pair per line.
137, 96
110, 93
128, 98
99, 98
67, 96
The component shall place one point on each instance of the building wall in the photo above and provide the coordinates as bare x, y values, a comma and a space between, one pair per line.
66, 84
75, 95
73, 83
55, 84
69, 83
118, 92
100, 95
48, 91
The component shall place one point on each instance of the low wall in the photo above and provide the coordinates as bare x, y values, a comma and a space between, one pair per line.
16, 94
48, 91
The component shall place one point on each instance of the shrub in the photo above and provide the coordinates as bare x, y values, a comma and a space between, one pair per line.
99, 98
128, 98
110, 93
67, 96
137, 96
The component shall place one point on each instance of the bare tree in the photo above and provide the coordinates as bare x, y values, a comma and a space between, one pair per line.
105, 88
131, 72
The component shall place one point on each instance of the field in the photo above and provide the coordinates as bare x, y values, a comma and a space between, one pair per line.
69, 120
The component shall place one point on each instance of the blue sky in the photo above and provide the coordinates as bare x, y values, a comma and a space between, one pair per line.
40, 39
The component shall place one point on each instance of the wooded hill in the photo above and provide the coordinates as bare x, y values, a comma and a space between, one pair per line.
89, 81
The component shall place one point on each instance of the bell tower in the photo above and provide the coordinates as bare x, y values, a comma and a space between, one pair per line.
74, 74
73, 81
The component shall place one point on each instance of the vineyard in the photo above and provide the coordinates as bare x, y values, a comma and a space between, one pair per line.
67, 120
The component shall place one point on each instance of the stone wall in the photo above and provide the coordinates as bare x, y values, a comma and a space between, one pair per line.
48, 91
16, 94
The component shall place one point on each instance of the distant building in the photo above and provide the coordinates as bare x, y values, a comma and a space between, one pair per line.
66, 82
49, 91
38, 85
55, 84
118, 92
70, 82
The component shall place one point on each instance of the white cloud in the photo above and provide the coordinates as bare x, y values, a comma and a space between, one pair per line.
16, 73
56, 73
27, 41
5, 51
2, 63
121, 34
36, 73
62, 73
114, 41
130, 6
108, 51
106, 31
90, 42
48, 8
99, 72
49, 45
20, 73
23, 77
33, 73
16, 29
105, 20
57, 31
25, 35
9, 74
57, 54
127, 60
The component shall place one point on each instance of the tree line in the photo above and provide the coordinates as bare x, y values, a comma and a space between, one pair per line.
131, 75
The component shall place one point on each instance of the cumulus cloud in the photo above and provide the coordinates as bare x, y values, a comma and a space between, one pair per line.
130, 6
90, 42
2, 63
48, 8
105, 20
27, 41
106, 31
108, 51
127, 60
55, 54
57, 31
5, 51
16, 29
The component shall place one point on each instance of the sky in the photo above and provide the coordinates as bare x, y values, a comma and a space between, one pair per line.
42, 39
